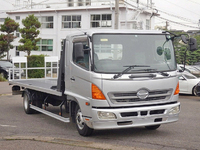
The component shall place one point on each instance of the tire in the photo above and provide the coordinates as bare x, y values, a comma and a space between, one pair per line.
152, 127
27, 102
82, 128
194, 91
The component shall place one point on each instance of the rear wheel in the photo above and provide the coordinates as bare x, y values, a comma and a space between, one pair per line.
27, 102
82, 128
152, 127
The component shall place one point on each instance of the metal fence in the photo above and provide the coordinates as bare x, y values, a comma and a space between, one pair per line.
20, 68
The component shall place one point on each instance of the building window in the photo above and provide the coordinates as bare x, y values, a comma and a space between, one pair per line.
101, 20
140, 25
73, 21
17, 33
47, 21
45, 45
134, 25
17, 51
17, 17
80, 2
70, 3
88, 2
147, 24
2, 19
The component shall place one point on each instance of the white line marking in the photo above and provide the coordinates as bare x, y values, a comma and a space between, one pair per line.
7, 126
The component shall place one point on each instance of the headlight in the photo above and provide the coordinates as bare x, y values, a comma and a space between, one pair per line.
174, 110
106, 115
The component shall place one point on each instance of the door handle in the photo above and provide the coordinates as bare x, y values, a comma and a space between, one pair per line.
72, 79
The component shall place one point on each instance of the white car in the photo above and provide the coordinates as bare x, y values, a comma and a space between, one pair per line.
190, 69
187, 83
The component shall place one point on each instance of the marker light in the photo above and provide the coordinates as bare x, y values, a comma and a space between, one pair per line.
177, 89
96, 93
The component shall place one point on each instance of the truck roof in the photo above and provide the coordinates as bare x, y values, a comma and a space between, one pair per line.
90, 32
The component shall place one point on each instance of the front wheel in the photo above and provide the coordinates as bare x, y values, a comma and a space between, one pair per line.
152, 127
82, 128
194, 91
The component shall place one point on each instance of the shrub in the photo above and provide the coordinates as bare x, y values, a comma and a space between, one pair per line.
2, 79
35, 61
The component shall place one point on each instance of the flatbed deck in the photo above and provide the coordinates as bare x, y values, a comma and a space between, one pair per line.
42, 85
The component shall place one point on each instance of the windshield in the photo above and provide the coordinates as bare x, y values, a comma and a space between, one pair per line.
113, 52
190, 76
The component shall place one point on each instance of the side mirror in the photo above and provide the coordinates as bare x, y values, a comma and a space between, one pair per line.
184, 39
193, 44
78, 50
181, 78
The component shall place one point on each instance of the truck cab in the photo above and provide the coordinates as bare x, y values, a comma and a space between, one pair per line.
121, 78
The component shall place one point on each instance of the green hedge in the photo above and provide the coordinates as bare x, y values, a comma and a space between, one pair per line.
2, 79
35, 61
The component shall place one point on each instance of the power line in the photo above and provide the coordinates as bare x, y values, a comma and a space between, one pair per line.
194, 2
182, 7
177, 23
8, 1
179, 17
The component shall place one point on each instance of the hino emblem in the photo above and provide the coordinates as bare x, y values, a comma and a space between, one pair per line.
142, 94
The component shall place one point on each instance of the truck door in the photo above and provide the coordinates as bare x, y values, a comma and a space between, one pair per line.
80, 69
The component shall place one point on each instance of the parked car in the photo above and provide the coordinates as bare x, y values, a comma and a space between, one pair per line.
196, 66
190, 69
4, 70
188, 83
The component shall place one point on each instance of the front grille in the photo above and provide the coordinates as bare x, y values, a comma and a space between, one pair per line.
131, 97
137, 99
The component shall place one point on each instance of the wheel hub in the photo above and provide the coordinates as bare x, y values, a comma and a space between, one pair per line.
79, 119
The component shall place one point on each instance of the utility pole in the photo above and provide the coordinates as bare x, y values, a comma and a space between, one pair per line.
199, 23
116, 14
166, 26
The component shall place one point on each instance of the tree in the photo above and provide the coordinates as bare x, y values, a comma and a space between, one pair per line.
9, 27
29, 34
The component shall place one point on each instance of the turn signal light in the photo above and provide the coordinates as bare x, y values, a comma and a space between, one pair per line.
96, 93
177, 89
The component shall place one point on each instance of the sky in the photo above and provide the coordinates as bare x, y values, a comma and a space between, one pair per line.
180, 14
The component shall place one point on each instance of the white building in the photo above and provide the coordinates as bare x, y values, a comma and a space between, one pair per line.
60, 19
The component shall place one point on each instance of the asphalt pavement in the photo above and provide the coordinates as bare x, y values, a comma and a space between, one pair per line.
10, 140
19, 131
31, 143
5, 88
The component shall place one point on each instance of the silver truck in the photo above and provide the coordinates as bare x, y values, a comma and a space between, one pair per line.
110, 79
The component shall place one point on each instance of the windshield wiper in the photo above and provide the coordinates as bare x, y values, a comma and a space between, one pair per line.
149, 75
127, 69
155, 70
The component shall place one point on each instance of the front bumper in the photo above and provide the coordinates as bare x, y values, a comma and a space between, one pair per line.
134, 117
